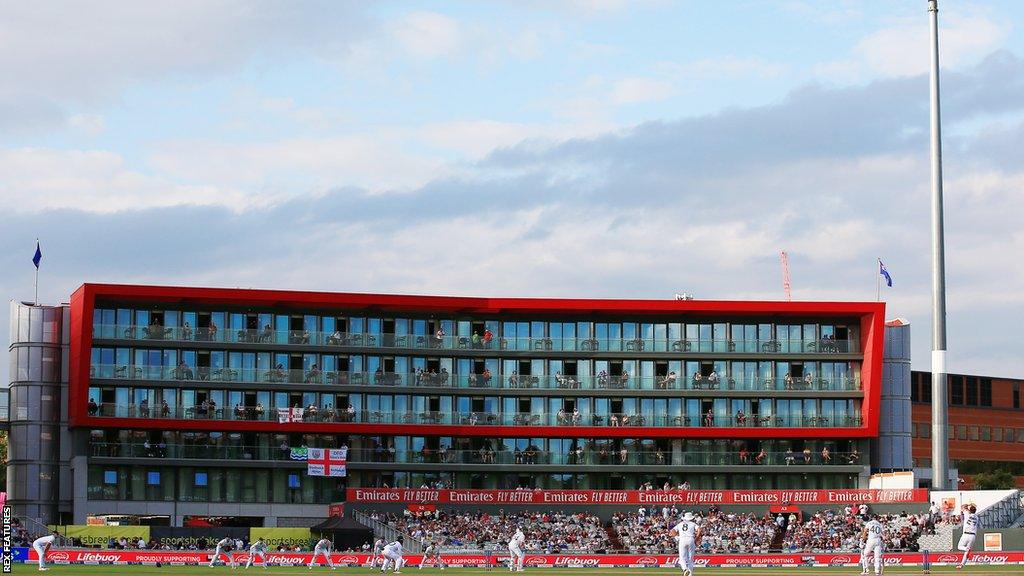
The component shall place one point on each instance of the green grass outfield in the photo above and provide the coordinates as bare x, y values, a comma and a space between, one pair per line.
56, 570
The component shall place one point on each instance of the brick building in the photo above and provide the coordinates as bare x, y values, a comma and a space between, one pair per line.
986, 424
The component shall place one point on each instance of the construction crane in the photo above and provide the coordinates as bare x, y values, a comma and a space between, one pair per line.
785, 276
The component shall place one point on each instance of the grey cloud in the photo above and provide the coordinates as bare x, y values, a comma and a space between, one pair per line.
837, 176
811, 122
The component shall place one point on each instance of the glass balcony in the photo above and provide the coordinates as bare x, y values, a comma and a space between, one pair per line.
590, 456
331, 415
470, 381
433, 342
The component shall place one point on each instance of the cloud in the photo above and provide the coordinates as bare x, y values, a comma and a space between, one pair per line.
901, 48
427, 35
640, 90
70, 55
836, 176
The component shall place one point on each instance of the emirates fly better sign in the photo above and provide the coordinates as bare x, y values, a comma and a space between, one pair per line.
326, 462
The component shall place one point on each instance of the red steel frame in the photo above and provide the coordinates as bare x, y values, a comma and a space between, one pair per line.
871, 315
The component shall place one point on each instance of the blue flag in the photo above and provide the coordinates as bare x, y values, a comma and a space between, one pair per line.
884, 273
38, 256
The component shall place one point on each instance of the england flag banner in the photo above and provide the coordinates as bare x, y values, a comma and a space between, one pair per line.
286, 415
323, 462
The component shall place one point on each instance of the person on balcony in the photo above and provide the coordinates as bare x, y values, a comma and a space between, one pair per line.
488, 337
313, 375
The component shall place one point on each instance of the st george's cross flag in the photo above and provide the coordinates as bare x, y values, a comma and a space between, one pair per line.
326, 462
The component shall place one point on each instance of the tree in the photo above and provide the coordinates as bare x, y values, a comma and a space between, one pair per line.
994, 480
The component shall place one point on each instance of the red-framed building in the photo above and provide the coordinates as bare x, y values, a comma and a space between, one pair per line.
196, 401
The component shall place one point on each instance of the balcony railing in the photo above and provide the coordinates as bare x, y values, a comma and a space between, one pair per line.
470, 381
581, 457
330, 415
446, 342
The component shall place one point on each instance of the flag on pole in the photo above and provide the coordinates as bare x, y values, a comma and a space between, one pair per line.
884, 273
38, 256
324, 462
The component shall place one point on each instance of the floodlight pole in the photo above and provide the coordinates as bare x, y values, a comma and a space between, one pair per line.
940, 427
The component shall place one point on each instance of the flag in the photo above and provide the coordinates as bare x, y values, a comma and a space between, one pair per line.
38, 256
884, 273
286, 415
323, 462
299, 454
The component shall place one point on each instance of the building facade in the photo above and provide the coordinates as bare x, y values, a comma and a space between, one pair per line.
986, 424
195, 402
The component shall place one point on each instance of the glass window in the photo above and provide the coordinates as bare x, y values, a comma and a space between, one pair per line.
972, 391
961, 432
972, 432
986, 433
986, 392
956, 387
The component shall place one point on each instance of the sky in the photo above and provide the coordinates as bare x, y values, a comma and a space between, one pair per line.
549, 148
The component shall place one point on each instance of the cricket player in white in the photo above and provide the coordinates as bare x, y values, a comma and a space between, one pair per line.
874, 544
393, 557
688, 534
322, 548
258, 548
432, 553
515, 548
223, 547
378, 553
42, 545
970, 524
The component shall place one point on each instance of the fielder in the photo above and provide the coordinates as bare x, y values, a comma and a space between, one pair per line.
223, 549
515, 548
393, 557
378, 553
42, 545
322, 548
688, 534
874, 544
258, 548
433, 552
970, 524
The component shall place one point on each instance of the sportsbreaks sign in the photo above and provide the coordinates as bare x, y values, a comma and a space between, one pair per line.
539, 561
642, 497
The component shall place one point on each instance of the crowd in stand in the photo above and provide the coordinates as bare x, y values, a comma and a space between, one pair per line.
840, 530
647, 532
546, 532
